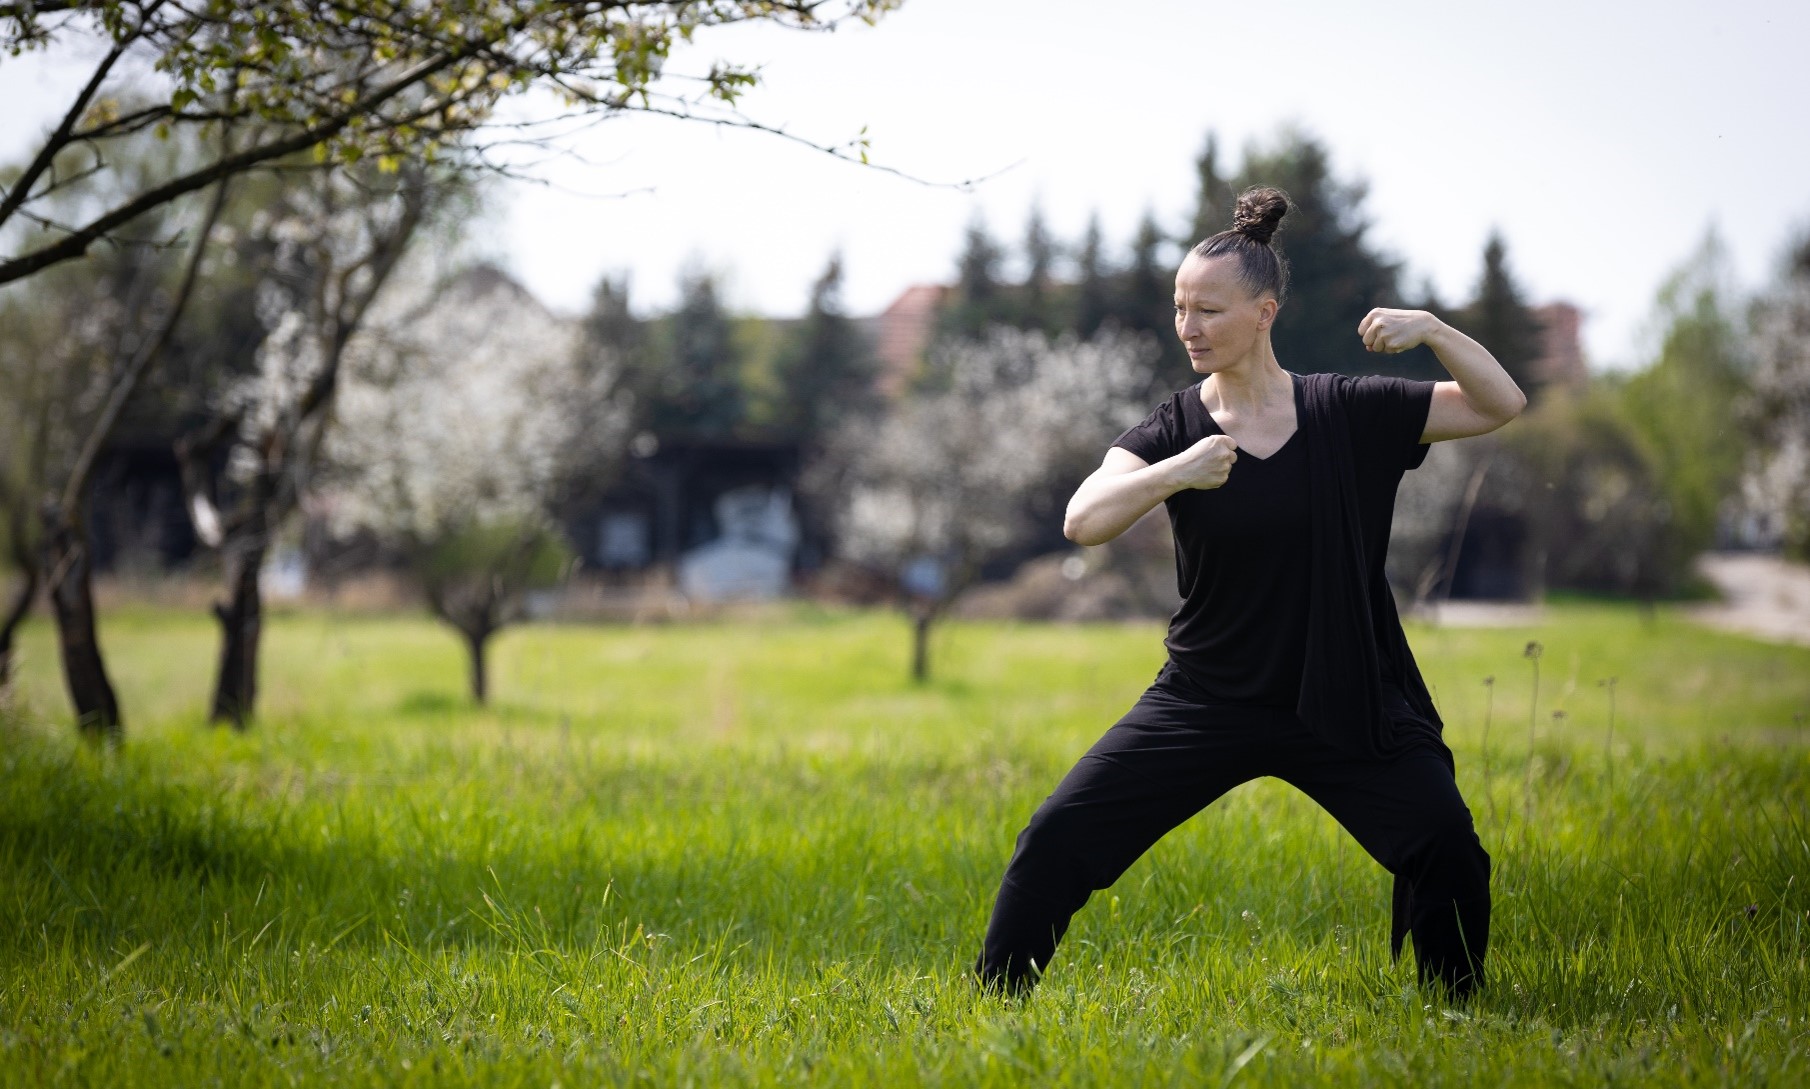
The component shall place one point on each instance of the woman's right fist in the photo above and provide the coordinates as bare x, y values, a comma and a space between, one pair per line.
1207, 463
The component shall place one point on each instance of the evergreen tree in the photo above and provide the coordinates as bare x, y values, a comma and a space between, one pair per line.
612, 334
828, 371
979, 299
1499, 319
1216, 197
1146, 298
697, 390
1093, 294
1145, 304
1038, 294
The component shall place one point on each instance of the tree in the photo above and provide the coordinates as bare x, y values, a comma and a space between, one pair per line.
1093, 295
979, 299
1777, 409
79, 346
612, 335
328, 241
1499, 319
1684, 405
1146, 301
1215, 198
359, 79
937, 486
1584, 479
466, 408
690, 384
827, 370
1145, 305
1039, 302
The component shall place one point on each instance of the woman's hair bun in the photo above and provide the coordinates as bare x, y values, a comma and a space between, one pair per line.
1260, 211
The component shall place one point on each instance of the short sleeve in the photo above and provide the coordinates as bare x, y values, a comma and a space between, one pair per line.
1154, 437
1388, 416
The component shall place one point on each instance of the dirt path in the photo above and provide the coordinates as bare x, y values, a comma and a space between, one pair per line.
1762, 596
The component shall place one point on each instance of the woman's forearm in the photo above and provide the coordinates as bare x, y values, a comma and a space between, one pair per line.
1106, 504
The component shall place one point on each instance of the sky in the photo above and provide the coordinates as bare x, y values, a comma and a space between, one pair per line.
1603, 139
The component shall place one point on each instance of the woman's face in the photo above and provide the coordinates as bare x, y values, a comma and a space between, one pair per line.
1217, 318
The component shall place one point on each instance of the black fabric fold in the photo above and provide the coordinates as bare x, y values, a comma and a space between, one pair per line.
1354, 632
1341, 677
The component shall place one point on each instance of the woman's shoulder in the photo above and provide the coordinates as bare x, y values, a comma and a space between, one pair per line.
1367, 392
1174, 407
1386, 414
1165, 430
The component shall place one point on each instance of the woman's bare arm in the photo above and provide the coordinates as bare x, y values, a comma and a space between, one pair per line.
1126, 487
1482, 398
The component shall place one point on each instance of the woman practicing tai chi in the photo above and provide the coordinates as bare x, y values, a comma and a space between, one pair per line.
1286, 657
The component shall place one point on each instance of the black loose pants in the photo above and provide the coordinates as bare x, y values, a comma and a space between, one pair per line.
1174, 753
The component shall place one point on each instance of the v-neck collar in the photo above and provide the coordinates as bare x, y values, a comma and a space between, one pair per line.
1294, 381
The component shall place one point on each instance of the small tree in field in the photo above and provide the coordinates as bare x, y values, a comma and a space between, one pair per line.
462, 416
74, 352
940, 484
325, 242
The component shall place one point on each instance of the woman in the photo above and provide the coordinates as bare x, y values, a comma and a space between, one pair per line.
1286, 657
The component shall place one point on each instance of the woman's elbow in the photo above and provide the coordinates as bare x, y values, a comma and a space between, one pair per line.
1078, 528
1513, 407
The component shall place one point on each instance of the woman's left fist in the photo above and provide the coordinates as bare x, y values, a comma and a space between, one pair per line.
1392, 331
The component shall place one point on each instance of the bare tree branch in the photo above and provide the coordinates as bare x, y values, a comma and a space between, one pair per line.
78, 241
60, 138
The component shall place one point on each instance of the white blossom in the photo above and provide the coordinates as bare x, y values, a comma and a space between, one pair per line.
946, 474
462, 404
1777, 484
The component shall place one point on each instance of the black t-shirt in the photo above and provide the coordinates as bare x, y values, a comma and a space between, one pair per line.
1242, 550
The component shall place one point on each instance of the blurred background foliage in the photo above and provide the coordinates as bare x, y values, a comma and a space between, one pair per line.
1613, 482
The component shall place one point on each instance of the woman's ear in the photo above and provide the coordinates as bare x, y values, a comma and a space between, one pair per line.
1266, 312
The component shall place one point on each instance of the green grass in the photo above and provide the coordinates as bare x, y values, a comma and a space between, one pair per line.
753, 854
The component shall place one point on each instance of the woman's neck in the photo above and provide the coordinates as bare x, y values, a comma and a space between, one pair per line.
1250, 386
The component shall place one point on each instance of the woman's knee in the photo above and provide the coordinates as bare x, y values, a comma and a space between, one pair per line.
1062, 844
1450, 858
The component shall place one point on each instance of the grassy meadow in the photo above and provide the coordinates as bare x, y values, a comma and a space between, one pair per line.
752, 853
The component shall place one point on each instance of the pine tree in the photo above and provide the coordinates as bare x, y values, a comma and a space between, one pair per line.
1038, 295
612, 333
1093, 294
1215, 196
828, 371
698, 390
1145, 303
1498, 318
979, 299
1147, 299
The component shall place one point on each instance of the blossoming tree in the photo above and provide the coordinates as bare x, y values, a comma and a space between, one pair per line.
940, 483
463, 415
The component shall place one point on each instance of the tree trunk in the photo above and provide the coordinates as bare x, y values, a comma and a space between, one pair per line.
475, 642
72, 601
920, 645
9, 624
241, 619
